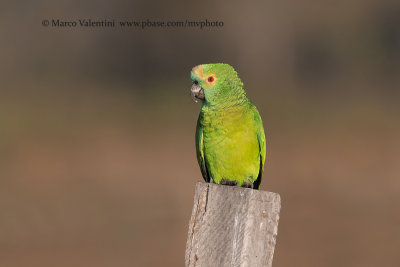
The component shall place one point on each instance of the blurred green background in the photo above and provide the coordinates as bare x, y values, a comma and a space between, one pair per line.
97, 156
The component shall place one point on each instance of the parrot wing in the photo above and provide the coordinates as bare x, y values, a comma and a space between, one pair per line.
261, 144
200, 151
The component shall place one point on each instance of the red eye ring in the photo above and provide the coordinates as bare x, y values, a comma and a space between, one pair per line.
210, 79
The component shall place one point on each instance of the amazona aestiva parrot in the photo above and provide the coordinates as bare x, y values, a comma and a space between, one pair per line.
230, 139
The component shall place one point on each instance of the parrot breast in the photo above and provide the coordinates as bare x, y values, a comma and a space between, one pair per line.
230, 144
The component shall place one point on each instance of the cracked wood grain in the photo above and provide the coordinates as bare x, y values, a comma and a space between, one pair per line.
232, 226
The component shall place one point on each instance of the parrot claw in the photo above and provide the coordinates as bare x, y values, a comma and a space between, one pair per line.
248, 185
228, 182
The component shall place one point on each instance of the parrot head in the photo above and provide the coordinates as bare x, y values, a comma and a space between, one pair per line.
216, 84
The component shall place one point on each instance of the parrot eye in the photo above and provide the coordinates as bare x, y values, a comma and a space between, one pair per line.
210, 79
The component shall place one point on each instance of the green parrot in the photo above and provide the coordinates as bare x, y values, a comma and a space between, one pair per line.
230, 139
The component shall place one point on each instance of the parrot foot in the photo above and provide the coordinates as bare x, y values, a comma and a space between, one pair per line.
228, 182
248, 185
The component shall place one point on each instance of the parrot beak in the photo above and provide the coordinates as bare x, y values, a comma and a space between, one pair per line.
197, 92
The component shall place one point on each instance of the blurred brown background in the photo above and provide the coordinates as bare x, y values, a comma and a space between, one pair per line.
97, 156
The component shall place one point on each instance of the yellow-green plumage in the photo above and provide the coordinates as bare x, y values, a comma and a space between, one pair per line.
230, 140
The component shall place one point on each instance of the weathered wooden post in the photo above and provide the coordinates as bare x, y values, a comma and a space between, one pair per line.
232, 226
